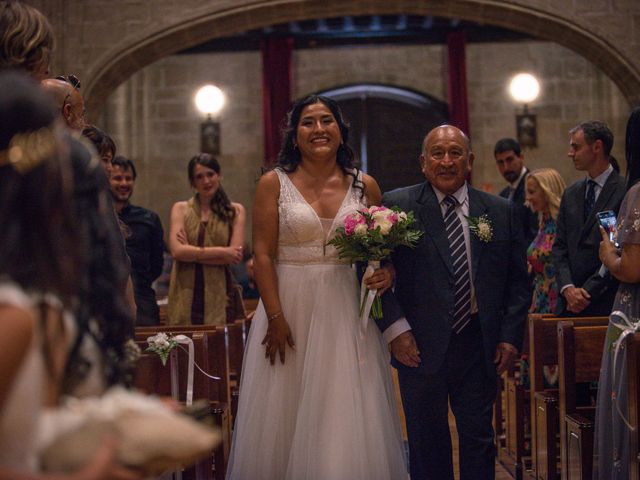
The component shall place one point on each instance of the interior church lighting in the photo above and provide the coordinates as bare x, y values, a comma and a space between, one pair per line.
525, 88
210, 100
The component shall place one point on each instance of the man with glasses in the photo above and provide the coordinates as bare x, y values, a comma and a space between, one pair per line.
66, 94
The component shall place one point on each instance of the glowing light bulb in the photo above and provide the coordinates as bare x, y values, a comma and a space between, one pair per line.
524, 88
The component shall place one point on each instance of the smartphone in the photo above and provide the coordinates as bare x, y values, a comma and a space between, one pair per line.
609, 222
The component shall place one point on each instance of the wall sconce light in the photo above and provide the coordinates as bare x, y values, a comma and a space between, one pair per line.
210, 100
525, 88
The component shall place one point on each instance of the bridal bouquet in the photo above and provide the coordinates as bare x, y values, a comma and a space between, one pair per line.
371, 235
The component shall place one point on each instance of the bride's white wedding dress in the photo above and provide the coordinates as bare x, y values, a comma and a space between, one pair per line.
329, 412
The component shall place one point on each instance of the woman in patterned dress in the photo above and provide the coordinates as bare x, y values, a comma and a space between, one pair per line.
611, 448
544, 190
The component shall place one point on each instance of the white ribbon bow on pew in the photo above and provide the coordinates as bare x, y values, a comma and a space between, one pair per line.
173, 355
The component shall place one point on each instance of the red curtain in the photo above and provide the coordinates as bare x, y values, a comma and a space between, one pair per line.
276, 92
458, 102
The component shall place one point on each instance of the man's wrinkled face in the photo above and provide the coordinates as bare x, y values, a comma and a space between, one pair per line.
446, 159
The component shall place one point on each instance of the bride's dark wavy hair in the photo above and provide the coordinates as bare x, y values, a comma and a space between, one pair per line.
289, 157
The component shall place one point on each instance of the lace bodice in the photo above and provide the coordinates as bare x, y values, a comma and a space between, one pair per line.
301, 238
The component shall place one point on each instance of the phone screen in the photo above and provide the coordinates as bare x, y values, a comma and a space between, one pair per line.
609, 223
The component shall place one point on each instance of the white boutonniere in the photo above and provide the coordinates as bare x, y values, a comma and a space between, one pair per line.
481, 227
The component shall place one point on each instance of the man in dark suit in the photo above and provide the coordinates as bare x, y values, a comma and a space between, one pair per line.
457, 315
585, 288
510, 162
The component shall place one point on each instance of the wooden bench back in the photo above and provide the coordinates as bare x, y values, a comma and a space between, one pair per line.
543, 343
579, 357
211, 356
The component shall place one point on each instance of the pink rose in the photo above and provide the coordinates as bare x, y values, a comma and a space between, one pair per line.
351, 222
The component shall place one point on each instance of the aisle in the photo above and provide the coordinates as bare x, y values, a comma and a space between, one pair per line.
501, 473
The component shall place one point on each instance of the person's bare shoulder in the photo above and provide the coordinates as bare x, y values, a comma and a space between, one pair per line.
238, 207
372, 189
180, 207
269, 182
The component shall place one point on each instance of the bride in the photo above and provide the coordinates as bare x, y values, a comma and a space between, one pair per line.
316, 399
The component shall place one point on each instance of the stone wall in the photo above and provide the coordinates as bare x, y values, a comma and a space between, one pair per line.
154, 120
106, 41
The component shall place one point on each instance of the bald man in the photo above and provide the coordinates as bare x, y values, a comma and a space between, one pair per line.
461, 297
69, 101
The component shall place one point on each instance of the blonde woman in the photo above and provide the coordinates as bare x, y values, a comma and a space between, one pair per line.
544, 189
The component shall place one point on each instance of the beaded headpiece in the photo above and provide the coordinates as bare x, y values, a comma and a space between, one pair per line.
27, 150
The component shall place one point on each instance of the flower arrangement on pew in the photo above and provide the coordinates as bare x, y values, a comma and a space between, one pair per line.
162, 344
371, 235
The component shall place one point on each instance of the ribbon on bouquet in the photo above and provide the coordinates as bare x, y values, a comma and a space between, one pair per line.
184, 340
367, 297
627, 328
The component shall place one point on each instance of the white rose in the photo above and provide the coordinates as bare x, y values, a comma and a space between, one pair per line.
385, 225
361, 229
402, 216
380, 215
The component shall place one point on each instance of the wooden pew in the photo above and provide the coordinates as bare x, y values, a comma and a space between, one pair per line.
211, 356
579, 358
155, 379
217, 350
514, 406
512, 417
235, 347
545, 423
633, 400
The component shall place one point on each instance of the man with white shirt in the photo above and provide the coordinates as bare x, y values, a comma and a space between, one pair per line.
510, 163
456, 317
586, 289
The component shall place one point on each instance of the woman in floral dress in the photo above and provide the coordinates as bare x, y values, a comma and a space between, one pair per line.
544, 190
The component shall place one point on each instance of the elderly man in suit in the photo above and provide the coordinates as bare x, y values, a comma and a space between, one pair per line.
510, 163
585, 288
457, 316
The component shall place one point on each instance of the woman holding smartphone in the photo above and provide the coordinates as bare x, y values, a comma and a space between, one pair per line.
611, 448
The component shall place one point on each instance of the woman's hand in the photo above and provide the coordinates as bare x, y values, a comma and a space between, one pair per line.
606, 249
182, 237
277, 338
232, 255
381, 279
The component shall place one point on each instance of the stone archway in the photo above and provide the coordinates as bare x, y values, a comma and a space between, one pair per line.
213, 21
